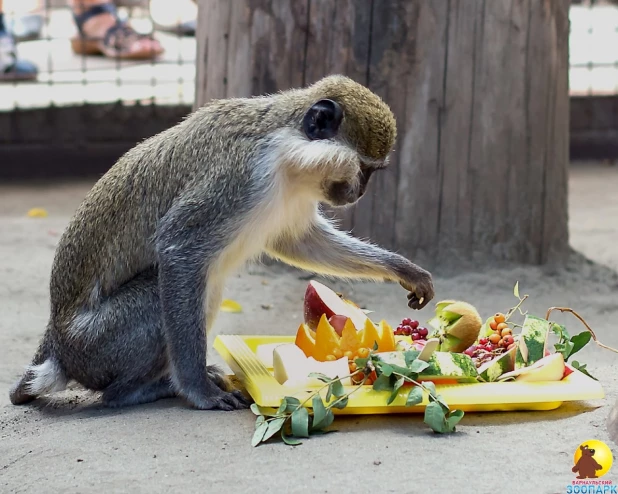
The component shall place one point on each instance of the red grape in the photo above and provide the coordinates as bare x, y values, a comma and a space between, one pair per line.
414, 324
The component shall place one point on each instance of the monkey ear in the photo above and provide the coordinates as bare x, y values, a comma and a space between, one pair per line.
322, 120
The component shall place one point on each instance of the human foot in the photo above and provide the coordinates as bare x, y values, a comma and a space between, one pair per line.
101, 32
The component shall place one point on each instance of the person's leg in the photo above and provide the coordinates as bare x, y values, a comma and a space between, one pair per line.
101, 34
11, 67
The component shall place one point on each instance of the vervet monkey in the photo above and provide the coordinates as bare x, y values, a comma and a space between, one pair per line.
138, 274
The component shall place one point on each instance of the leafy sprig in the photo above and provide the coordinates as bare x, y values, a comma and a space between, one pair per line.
292, 420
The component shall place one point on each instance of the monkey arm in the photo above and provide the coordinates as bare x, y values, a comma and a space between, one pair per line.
189, 241
325, 250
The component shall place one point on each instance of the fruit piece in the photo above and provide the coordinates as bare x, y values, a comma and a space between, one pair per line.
442, 365
532, 341
290, 364
305, 340
494, 338
499, 318
501, 326
386, 343
428, 350
320, 300
423, 332
492, 369
338, 322
349, 355
350, 338
331, 358
363, 352
265, 353
369, 335
326, 340
459, 324
338, 353
493, 324
338, 368
550, 368
508, 340
505, 332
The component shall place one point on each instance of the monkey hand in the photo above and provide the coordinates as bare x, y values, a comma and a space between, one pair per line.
420, 285
211, 397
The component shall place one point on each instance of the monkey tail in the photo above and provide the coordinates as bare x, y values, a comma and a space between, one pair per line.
44, 375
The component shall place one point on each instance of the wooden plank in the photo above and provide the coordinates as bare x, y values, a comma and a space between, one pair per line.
555, 208
339, 35
416, 214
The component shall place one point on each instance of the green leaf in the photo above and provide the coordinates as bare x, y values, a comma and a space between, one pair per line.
319, 412
454, 418
290, 441
274, 426
260, 420
300, 422
375, 346
283, 406
443, 404
341, 403
560, 331
338, 389
329, 393
361, 362
292, 403
410, 356
418, 366
320, 376
395, 392
386, 370
435, 418
516, 290
580, 341
431, 389
415, 396
256, 409
382, 383
259, 433
582, 368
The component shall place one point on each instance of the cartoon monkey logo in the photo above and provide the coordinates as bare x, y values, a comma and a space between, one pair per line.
592, 459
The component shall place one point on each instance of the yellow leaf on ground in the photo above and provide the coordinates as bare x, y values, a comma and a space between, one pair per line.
230, 306
37, 213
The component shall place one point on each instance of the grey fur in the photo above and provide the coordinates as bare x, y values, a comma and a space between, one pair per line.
137, 277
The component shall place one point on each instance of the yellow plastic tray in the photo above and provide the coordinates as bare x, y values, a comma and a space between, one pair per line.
239, 354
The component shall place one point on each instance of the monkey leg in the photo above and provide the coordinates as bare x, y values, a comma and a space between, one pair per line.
121, 394
118, 346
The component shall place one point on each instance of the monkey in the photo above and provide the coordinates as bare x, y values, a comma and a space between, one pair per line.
137, 277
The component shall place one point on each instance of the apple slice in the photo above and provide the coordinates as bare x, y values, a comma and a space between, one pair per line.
550, 368
319, 299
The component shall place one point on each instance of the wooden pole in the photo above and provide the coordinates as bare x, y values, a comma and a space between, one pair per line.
480, 92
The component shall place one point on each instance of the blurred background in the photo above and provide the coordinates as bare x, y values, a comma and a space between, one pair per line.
72, 112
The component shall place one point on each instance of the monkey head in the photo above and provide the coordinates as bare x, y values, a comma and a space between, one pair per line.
349, 132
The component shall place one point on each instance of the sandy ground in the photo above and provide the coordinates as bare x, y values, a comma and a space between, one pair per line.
72, 444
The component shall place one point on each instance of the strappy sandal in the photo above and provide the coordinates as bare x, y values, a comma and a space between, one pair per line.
117, 41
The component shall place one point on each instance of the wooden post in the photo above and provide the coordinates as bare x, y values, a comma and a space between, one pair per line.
480, 92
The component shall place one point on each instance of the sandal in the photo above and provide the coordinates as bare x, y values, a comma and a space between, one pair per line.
117, 41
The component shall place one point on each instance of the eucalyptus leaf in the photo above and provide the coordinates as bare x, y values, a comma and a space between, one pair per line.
415, 396
435, 418
338, 389
260, 420
443, 404
580, 341
290, 441
319, 412
431, 389
418, 366
410, 356
342, 403
259, 433
274, 426
454, 418
283, 406
330, 417
256, 409
292, 403
516, 290
560, 331
300, 422
361, 362
386, 369
322, 377
329, 393
382, 383
395, 392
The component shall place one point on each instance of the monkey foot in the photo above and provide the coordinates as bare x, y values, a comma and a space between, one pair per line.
223, 400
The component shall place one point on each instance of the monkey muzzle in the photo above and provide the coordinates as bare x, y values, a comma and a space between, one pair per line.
346, 193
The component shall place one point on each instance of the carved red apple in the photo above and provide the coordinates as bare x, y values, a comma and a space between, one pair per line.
319, 299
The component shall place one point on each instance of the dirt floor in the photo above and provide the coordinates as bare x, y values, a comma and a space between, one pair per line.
71, 444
